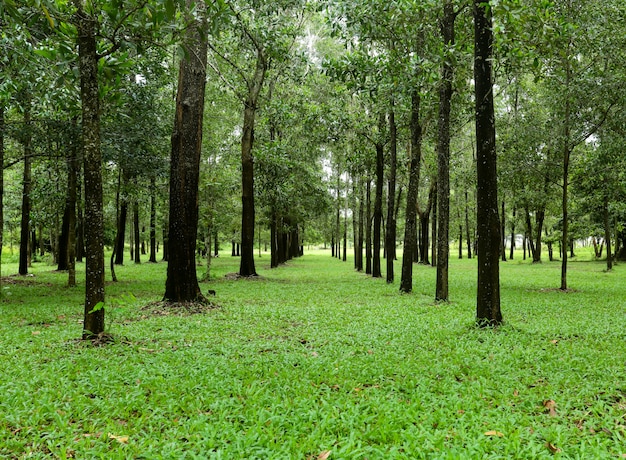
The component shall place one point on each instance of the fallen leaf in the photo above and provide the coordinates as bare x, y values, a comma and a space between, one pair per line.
370, 352
36, 332
120, 439
550, 405
323, 455
460, 411
552, 448
516, 393
554, 342
315, 354
494, 433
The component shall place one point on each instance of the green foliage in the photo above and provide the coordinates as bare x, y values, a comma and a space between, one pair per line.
313, 358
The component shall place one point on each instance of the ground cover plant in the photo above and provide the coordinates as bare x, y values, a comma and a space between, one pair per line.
315, 361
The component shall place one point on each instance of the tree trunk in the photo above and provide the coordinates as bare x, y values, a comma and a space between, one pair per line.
153, 250
2, 127
539, 219
378, 212
62, 262
246, 267
121, 232
513, 233
361, 225
182, 281
26, 187
72, 167
390, 233
488, 223
368, 228
410, 226
467, 228
136, 231
433, 229
502, 235
443, 157
607, 234
80, 222
93, 323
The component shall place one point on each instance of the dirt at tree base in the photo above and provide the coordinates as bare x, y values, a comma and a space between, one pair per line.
167, 308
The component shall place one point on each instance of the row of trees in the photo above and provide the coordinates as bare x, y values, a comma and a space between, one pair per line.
296, 105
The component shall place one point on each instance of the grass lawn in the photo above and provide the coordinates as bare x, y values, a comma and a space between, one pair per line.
316, 361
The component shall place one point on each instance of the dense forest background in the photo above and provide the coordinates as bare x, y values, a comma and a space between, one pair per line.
331, 123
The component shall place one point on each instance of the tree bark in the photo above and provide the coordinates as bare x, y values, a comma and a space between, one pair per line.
93, 323
443, 157
361, 225
368, 228
153, 250
513, 233
2, 127
26, 187
488, 222
390, 233
607, 234
378, 212
410, 227
182, 281
72, 167
502, 234
246, 267
136, 231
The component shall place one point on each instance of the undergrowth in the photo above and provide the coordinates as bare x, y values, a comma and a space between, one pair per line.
313, 360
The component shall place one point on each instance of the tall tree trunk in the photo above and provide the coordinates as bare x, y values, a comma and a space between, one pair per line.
410, 226
93, 323
513, 233
182, 281
361, 225
368, 228
443, 157
136, 230
502, 235
121, 231
539, 219
2, 127
273, 239
378, 211
488, 222
80, 222
153, 221
62, 262
72, 167
566, 158
26, 187
246, 267
390, 233
467, 228
433, 229
607, 234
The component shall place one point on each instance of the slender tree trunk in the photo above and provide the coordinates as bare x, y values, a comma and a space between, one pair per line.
136, 232
72, 167
513, 233
26, 187
153, 250
2, 127
80, 222
390, 233
182, 281
433, 229
467, 228
607, 234
503, 233
93, 323
410, 226
368, 228
121, 232
443, 158
488, 293
246, 267
378, 211
361, 225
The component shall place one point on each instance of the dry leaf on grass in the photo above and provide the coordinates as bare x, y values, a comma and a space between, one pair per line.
120, 439
494, 433
323, 455
552, 448
550, 406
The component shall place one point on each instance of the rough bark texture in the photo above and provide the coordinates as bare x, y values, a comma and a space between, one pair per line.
2, 110
182, 280
488, 222
378, 211
94, 224
153, 222
443, 158
26, 185
368, 227
246, 267
390, 234
410, 226
72, 168
121, 233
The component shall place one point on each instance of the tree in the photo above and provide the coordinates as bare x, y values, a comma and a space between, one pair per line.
488, 248
182, 281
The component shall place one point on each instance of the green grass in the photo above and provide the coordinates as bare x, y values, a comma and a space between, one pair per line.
314, 357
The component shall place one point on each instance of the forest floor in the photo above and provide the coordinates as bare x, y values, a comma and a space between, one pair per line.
315, 361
